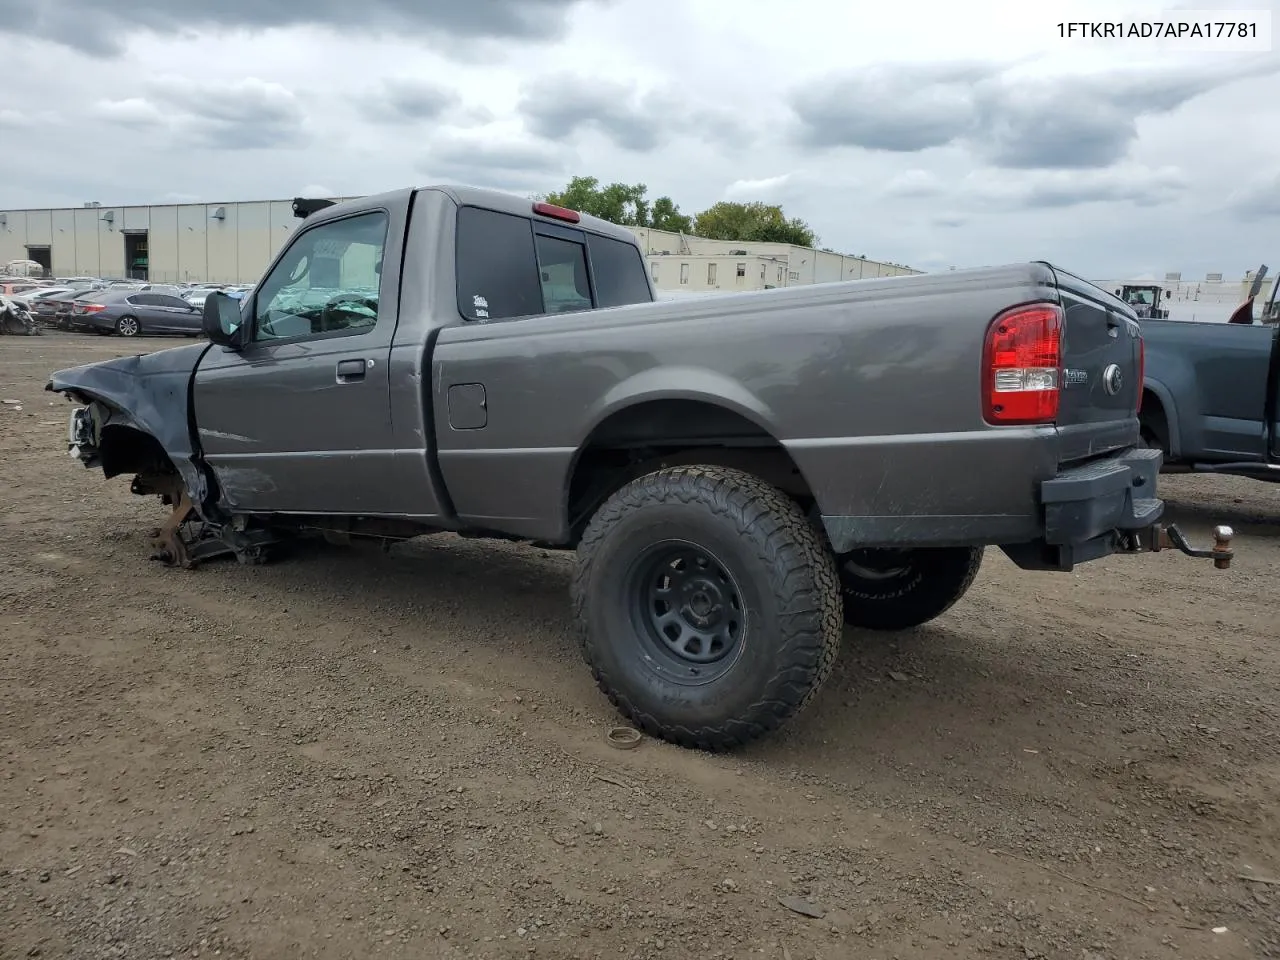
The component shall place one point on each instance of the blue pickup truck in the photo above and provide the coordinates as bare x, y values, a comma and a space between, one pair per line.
1211, 400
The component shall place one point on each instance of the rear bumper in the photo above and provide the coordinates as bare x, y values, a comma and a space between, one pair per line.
1094, 510
1097, 498
1079, 513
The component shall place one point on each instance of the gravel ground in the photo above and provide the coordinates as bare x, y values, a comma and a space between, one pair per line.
357, 754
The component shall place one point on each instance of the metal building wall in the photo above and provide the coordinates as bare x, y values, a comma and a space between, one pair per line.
216, 242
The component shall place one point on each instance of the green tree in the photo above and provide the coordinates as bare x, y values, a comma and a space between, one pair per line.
752, 222
621, 203
667, 216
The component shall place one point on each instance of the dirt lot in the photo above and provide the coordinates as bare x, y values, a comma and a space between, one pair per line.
364, 755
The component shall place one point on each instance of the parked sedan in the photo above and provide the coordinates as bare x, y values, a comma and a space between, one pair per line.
44, 303
196, 296
131, 313
41, 293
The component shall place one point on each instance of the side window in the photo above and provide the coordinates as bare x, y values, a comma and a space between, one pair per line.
497, 269
618, 271
175, 303
562, 267
326, 284
143, 300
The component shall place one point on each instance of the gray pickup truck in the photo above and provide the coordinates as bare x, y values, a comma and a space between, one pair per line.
1212, 396
739, 475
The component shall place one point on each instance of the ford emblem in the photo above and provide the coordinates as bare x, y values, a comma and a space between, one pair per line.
1112, 379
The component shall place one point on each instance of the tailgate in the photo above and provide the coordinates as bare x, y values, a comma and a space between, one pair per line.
1101, 376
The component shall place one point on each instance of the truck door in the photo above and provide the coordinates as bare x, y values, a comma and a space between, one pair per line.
1232, 364
299, 421
1272, 416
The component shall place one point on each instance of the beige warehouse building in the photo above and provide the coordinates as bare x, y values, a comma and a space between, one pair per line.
217, 242
695, 264
233, 243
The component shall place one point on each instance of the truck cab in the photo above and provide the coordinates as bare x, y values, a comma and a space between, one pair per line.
335, 347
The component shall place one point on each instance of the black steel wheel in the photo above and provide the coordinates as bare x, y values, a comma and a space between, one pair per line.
889, 589
707, 606
688, 606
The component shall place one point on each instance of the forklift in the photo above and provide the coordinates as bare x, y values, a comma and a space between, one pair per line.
1145, 300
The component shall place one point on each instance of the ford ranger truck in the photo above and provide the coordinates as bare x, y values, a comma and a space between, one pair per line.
741, 476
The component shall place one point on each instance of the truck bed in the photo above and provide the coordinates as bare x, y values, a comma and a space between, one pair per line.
887, 431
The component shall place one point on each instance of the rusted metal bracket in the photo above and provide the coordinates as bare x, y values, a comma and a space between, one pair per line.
173, 543
167, 543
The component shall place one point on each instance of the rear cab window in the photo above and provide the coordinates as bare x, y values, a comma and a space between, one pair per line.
510, 266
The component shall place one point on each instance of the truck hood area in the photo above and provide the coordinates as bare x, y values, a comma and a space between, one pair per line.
130, 383
149, 392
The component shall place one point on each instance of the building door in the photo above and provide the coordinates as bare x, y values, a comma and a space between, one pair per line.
43, 255
137, 263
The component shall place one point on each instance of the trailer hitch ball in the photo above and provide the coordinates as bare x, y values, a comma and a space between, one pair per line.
1222, 552
1169, 537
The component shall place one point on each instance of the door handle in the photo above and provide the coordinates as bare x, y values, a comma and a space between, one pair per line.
350, 371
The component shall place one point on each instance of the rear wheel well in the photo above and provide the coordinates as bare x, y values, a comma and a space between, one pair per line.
665, 433
129, 450
1154, 421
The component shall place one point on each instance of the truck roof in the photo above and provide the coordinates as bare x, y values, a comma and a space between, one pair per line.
498, 200
505, 202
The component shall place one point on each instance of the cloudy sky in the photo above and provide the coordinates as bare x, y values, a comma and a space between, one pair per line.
928, 133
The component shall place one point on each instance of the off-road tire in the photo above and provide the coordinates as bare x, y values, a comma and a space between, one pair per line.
789, 592
931, 581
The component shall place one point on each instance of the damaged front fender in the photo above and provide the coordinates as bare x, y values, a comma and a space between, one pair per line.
129, 399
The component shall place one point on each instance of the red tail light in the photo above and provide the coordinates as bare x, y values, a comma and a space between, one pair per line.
1142, 370
92, 307
1022, 365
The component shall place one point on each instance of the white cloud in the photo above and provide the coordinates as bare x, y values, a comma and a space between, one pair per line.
914, 183
763, 189
131, 112
1050, 189
1257, 199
